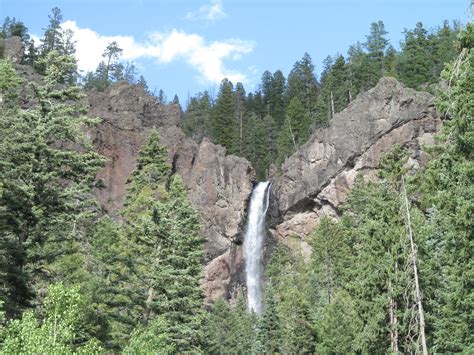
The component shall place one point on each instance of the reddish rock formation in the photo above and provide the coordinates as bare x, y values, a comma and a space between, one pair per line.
219, 185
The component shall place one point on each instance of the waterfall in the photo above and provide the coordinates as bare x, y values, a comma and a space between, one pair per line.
253, 244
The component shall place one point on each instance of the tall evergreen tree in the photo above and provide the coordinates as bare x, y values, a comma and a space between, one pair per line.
376, 45
335, 92
48, 170
197, 118
53, 33
414, 65
223, 122
160, 253
448, 197
302, 84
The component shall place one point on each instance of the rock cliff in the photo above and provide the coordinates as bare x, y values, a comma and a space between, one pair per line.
219, 185
316, 179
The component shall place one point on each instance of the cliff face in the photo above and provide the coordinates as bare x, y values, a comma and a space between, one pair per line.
316, 180
219, 185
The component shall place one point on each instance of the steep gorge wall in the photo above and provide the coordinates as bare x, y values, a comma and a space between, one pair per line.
316, 179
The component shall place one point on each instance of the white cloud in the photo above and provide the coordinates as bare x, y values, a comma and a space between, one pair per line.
207, 58
210, 12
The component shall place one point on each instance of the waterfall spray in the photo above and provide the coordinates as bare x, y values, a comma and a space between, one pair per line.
253, 245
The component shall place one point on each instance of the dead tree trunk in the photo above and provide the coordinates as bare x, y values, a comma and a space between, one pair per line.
292, 136
413, 257
241, 136
332, 105
393, 320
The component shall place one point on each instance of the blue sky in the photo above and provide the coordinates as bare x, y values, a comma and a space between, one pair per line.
185, 46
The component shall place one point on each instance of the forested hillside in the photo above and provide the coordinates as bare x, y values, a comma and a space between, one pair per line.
393, 274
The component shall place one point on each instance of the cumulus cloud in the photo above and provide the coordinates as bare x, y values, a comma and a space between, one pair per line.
206, 57
210, 12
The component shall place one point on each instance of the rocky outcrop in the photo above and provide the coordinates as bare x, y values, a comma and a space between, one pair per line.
219, 185
316, 180
12, 48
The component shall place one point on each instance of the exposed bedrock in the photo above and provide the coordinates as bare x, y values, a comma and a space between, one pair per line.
317, 178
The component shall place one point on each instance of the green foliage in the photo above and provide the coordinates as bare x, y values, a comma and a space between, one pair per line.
376, 45
269, 330
337, 324
140, 273
287, 322
9, 87
152, 269
223, 123
197, 117
152, 339
414, 65
335, 92
56, 333
266, 126
448, 195
229, 329
330, 257
302, 84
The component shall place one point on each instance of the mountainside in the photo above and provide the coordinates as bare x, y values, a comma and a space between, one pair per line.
312, 182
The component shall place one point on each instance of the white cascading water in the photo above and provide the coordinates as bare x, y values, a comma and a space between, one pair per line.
253, 245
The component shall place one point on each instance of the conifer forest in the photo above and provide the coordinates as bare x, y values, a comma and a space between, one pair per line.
389, 270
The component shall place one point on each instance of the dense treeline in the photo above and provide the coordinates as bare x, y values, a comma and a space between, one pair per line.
270, 124
394, 274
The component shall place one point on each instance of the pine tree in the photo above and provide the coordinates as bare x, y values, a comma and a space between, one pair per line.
299, 121
415, 61
277, 108
330, 257
197, 118
269, 325
159, 253
302, 84
219, 328
151, 339
48, 171
359, 76
448, 197
376, 45
223, 122
53, 33
335, 92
